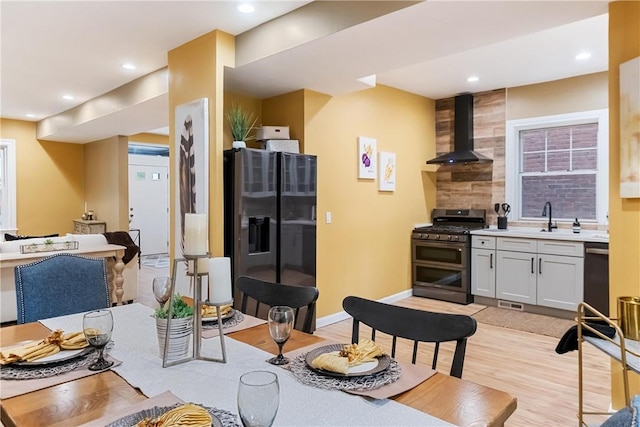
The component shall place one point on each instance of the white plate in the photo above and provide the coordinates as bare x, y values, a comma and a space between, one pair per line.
61, 356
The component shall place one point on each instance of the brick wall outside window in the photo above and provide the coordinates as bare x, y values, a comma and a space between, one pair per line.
559, 165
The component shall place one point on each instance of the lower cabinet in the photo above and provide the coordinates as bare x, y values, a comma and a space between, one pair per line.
483, 272
516, 279
530, 271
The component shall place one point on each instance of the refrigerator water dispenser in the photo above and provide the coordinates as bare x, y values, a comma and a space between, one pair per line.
259, 234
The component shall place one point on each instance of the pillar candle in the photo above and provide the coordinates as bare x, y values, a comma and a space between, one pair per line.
195, 234
220, 280
203, 266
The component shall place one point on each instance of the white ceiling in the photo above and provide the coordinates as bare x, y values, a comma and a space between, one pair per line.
55, 47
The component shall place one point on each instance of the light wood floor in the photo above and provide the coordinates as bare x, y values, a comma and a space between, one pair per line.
522, 364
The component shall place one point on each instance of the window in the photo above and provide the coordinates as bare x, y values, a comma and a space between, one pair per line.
7, 185
561, 159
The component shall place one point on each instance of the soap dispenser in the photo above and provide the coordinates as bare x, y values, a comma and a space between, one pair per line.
576, 226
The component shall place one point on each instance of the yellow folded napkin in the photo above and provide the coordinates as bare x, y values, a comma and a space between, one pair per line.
53, 344
212, 311
185, 415
351, 355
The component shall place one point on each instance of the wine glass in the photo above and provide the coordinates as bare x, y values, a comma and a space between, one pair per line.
281, 320
258, 398
161, 289
97, 327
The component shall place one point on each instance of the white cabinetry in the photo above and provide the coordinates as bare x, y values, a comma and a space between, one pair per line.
540, 272
483, 262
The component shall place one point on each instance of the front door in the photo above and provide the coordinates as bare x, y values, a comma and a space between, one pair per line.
149, 205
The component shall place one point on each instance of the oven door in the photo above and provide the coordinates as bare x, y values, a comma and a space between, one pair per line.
440, 253
443, 277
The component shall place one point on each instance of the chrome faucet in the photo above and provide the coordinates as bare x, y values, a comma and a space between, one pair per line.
550, 226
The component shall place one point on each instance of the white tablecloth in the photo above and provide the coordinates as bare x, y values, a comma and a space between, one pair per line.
216, 384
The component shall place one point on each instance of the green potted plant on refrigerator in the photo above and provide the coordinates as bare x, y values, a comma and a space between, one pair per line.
241, 123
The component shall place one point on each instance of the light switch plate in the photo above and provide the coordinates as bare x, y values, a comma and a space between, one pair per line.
327, 217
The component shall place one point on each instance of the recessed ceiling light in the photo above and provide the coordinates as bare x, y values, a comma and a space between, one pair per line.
128, 66
30, 115
246, 8
67, 97
582, 56
473, 79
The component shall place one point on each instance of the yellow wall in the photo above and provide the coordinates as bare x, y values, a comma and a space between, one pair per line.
582, 93
286, 110
366, 251
50, 180
196, 70
106, 181
624, 214
149, 138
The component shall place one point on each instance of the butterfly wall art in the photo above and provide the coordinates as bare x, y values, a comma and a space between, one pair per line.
366, 158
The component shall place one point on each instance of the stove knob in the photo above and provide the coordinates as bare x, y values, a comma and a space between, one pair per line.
449, 237
456, 238
437, 237
425, 236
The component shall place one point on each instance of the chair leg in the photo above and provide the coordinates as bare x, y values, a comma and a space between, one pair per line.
355, 331
435, 356
458, 358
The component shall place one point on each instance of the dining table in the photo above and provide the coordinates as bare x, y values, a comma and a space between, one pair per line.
138, 377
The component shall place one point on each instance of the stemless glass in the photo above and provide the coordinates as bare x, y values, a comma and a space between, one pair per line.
97, 327
161, 289
281, 320
258, 398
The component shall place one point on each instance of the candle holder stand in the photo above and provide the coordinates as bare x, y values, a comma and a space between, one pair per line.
195, 279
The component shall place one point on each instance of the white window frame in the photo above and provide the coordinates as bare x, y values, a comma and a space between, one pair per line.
9, 193
513, 159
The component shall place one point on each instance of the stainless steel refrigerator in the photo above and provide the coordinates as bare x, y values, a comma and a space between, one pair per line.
270, 216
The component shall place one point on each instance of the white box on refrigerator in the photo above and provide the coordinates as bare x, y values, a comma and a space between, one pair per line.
272, 132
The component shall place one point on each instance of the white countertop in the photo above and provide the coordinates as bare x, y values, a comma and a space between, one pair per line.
536, 233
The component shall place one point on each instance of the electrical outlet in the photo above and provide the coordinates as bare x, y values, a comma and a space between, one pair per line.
327, 217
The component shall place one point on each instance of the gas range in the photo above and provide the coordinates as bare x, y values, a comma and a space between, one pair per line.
451, 225
442, 255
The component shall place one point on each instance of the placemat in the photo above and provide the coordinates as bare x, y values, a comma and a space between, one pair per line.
412, 375
246, 323
228, 418
12, 388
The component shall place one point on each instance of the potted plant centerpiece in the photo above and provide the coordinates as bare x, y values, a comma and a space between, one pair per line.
181, 326
241, 122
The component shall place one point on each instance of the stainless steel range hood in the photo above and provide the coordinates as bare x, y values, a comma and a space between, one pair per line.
463, 136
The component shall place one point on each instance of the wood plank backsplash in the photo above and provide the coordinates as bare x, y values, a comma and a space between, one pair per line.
477, 185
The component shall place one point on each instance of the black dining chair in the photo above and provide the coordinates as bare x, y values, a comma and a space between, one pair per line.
271, 293
412, 324
60, 284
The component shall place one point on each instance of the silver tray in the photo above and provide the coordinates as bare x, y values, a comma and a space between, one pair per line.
383, 363
54, 359
156, 411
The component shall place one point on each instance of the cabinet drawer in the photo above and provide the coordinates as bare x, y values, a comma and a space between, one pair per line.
483, 242
516, 244
561, 247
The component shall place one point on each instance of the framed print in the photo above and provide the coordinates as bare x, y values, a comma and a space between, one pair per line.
192, 164
366, 158
387, 171
630, 129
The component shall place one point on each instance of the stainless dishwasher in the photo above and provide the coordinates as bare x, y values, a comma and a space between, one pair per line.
596, 276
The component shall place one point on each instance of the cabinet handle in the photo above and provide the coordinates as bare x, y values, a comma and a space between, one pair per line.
597, 251
532, 272
490, 260
539, 265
